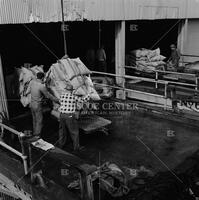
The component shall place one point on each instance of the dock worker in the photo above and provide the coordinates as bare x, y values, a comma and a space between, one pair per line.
38, 92
101, 59
90, 57
173, 62
68, 119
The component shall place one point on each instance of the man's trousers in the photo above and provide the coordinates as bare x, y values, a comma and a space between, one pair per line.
68, 127
37, 116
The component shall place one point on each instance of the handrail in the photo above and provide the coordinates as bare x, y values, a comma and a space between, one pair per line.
170, 72
166, 72
126, 89
11, 149
187, 55
156, 81
20, 135
144, 79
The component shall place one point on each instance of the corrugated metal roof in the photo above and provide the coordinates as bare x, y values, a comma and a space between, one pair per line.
45, 11
50, 10
26, 11
135, 9
193, 9
14, 11
105, 9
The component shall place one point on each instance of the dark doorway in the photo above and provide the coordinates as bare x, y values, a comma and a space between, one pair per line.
151, 34
42, 44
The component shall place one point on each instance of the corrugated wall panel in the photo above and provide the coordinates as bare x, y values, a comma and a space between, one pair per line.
135, 9
192, 8
50, 10
25, 11
45, 11
74, 10
104, 9
14, 11
191, 41
155, 9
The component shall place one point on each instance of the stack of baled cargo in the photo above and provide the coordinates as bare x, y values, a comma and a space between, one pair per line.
65, 70
26, 75
148, 60
73, 71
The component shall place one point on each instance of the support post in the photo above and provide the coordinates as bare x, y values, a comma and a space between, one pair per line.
63, 27
156, 80
196, 88
3, 97
182, 37
86, 184
31, 162
120, 57
165, 95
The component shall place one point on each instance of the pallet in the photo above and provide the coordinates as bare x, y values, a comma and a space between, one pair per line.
89, 123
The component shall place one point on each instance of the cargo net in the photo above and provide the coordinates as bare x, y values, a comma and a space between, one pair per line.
64, 71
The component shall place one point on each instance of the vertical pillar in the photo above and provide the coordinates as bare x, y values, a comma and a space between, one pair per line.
182, 37
120, 57
87, 187
3, 97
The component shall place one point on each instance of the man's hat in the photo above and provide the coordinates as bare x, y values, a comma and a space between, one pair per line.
69, 86
173, 46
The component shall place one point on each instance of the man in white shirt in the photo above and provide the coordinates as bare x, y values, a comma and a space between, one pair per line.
38, 92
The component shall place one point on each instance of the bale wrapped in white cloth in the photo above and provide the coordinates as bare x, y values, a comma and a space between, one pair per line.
147, 60
73, 71
26, 75
65, 70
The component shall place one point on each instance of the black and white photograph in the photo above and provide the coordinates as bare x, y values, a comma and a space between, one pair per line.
99, 99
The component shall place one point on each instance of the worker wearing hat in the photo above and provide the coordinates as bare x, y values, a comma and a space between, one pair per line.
38, 92
68, 119
173, 61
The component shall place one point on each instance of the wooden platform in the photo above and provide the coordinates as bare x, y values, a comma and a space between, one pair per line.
63, 168
92, 123
88, 123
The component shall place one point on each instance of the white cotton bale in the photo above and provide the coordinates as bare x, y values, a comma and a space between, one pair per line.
153, 53
26, 75
73, 67
67, 70
157, 58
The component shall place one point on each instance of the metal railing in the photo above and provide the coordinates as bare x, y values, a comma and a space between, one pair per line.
156, 80
157, 72
20, 136
188, 55
150, 80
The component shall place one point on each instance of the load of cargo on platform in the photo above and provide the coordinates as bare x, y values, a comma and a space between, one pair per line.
26, 75
146, 60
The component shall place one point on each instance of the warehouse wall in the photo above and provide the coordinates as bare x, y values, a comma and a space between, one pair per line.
28, 11
152, 34
192, 8
189, 40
